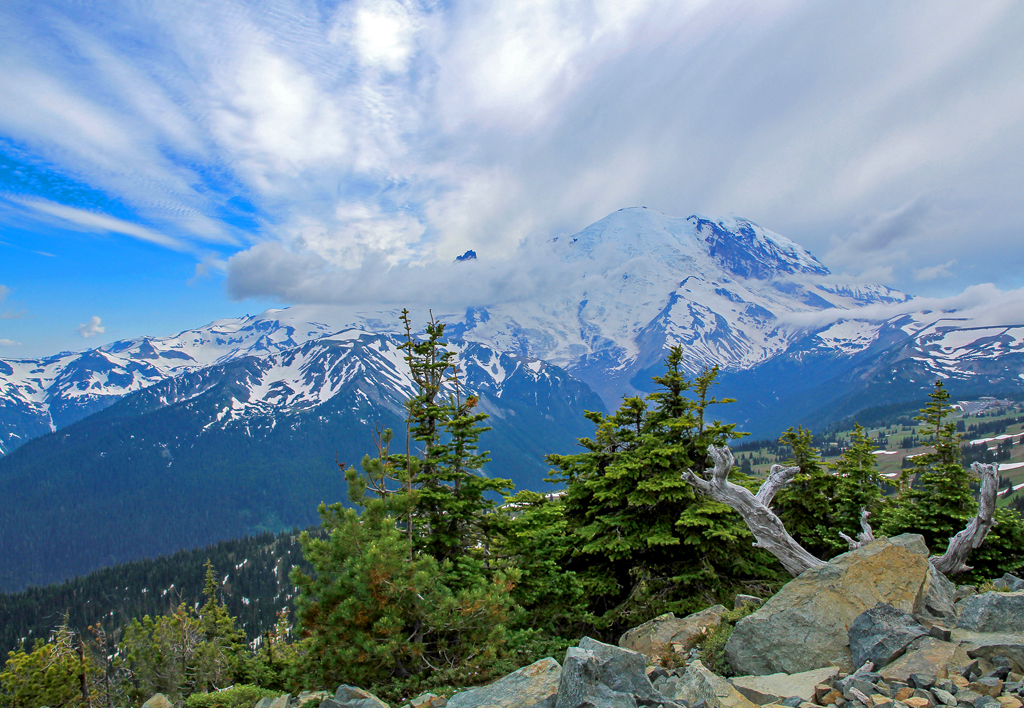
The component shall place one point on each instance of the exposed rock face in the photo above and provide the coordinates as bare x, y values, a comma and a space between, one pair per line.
668, 633
597, 675
993, 612
700, 684
926, 655
988, 645
353, 697
804, 626
781, 686
533, 686
881, 634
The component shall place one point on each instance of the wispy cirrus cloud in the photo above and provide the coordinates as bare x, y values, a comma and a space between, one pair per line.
396, 134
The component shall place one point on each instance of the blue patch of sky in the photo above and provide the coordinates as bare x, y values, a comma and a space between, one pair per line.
22, 176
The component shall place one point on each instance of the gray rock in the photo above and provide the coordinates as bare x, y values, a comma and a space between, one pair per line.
158, 700
945, 697
532, 686
938, 597
783, 685
1009, 582
992, 612
352, 697
804, 626
881, 634
988, 645
699, 685
670, 634
598, 675
745, 600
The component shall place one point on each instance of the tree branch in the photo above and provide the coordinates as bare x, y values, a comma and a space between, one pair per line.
866, 535
954, 560
766, 527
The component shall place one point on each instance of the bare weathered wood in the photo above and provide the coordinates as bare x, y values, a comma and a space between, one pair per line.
866, 535
954, 560
767, 528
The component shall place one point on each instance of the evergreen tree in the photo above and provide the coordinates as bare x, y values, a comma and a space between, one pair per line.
454, 498
58, 673
858, 483
645, 542
805, 505
940, 502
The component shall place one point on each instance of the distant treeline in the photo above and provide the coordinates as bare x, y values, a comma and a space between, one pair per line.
253, 572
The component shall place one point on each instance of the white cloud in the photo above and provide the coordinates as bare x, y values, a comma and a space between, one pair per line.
869, 131
91, 221
9, 343
941, 270
91, 328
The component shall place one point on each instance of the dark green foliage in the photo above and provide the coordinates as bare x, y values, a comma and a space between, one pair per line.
56, 673
254, 587
238, 696
712, 649
643, 542
940, 502
805, 505
858, 483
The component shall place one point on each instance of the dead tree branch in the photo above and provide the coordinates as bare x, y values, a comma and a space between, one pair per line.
954, 560
767, 528
866, 535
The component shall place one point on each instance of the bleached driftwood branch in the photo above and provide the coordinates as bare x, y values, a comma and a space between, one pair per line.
866, 535
954, 560
767, 528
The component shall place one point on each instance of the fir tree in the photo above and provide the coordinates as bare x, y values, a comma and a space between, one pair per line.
805, 505
858, 483
646, 543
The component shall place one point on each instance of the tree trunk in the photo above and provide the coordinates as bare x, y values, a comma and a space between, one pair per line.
954, 560
767, 528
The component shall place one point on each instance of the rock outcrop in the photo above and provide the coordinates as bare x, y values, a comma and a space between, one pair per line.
804, 626
533, 686
668, 634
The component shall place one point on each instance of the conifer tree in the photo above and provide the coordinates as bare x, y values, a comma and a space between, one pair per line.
646, 543
940, 501
805, 505
858, 483
58, 673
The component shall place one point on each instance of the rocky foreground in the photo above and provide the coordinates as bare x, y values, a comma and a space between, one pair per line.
877, 627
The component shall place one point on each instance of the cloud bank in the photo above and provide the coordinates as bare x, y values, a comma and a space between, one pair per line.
343, 152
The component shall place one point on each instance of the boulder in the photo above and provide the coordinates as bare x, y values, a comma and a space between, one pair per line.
1008, 582
352, 697
158, 700
782, 686
428, 700
804, 626
668, 633
988, 645
881, 634
533, 685
278, 702
926, 655
992, 612
937, 601
700, 684
597, 675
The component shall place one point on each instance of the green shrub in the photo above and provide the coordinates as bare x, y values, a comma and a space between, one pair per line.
712, 649
240, 696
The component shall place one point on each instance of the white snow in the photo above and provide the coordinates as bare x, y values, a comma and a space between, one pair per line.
1004, 466
886, 452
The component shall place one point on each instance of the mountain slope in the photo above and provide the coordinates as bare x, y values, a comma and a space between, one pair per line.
249, 446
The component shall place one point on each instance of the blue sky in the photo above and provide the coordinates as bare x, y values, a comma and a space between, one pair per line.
164, 164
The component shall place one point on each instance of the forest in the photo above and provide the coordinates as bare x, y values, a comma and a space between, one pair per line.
436, 576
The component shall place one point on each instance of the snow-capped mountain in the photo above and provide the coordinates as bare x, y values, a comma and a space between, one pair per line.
618, 294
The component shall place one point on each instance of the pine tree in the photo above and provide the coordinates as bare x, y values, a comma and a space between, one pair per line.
454, 498
646, 543
58, 673
858, 483
805, 505
940, 502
